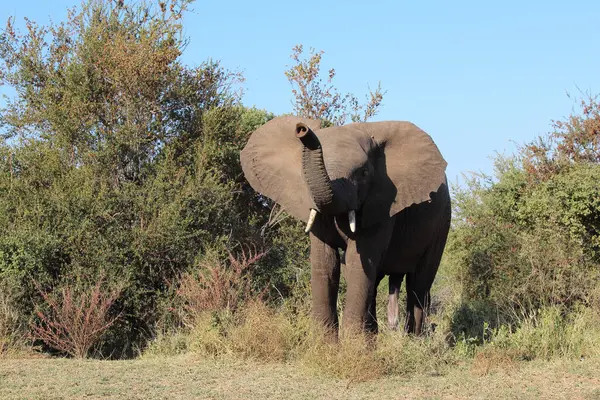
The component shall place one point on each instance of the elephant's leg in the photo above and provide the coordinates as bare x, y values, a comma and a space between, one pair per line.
371, 320
392, 308
417, 302
419, 283
363, 257
360, 290
325, 281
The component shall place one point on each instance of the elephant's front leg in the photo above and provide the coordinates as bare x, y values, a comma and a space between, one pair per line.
360, 274
325, 281
363, 257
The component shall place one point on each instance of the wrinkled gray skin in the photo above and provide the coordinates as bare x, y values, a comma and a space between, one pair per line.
392, 176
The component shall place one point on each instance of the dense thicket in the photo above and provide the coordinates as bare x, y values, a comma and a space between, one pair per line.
117, 159
530, 236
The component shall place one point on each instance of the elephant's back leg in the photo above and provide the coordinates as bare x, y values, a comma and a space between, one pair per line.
418, 283
394, 283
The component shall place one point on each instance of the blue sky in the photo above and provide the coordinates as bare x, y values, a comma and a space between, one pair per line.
476, 75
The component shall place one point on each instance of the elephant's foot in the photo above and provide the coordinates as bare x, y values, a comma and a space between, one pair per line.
325, 319
414, 321
418, 313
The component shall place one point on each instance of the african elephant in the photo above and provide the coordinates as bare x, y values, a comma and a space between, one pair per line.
377, 191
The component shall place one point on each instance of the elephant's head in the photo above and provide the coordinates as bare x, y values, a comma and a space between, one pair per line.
370, 170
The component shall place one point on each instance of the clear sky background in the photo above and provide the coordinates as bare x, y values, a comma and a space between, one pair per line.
476, 75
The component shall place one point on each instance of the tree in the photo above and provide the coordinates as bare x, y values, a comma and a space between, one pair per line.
573, 141
317, 98
123, 161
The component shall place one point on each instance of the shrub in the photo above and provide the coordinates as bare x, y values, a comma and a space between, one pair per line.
217, 286
123, 158
525, 243
76, 319
319, 99
12, 335
525, 246
573, 141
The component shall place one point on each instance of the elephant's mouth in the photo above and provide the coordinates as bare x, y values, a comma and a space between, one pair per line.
313, 215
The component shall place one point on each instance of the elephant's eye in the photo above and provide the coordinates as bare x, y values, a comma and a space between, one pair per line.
362, 173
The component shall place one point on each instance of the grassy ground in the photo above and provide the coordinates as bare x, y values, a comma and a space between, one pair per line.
189, 377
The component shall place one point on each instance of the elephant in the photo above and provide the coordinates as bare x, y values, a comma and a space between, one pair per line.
375, 198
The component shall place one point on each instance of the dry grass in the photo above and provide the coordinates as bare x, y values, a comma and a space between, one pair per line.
261, 333
549, 334
255, 332
491, 359
262, 352
191, 377
351, 358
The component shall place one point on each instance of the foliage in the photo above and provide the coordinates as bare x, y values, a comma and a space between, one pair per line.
119, 159
215, 286
12, 335
530, 238
317, 98
76, 319
289, 250
573, 141
521, 246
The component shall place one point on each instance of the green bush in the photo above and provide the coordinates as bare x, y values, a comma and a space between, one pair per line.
521, 245
529, 238
13, 337
110, 171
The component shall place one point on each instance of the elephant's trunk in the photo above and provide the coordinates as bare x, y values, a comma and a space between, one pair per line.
315, 174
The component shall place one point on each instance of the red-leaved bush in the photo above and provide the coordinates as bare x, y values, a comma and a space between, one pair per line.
217, 285
76, 320
573, 141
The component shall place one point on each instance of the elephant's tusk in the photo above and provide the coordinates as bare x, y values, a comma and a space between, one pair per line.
311, 220
352, 220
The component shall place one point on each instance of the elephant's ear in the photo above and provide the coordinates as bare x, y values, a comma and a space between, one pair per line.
409, 166
272, 163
